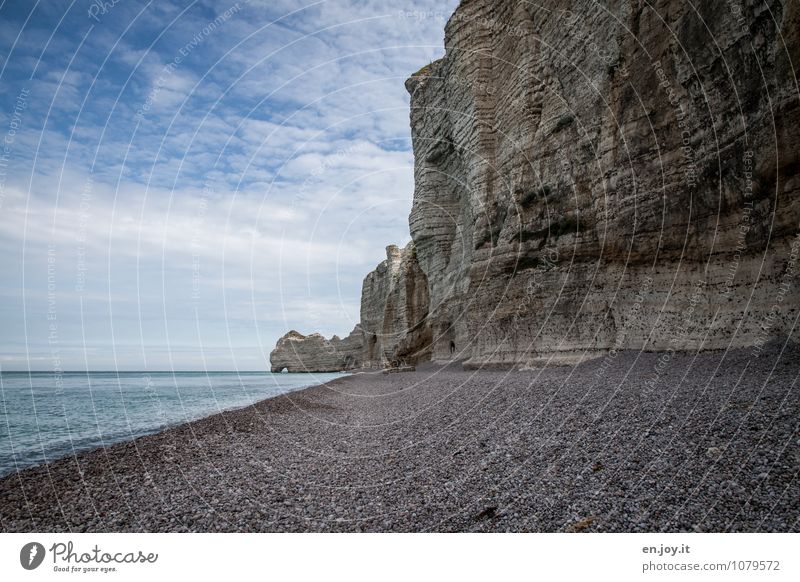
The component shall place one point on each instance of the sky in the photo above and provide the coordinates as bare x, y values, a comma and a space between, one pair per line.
182, 182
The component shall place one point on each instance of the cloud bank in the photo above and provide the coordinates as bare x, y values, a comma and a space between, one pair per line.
182, 182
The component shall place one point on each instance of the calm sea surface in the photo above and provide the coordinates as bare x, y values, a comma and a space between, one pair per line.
44, 417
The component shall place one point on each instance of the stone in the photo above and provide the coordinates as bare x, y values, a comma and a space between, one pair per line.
588, 179
296, 352
393, 331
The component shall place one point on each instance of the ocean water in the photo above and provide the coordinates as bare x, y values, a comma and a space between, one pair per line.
44, 417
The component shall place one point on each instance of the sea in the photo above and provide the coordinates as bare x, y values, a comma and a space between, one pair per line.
46, 416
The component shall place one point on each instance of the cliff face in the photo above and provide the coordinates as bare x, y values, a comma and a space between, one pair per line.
591, 178
296, 352
393, 329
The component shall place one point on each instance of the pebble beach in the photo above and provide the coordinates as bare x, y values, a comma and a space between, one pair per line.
632, 442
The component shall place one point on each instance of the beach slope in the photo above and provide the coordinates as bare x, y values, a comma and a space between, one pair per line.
632, 442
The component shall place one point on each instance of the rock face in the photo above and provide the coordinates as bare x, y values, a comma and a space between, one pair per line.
591, 178
296, 352
597, 177
393, 330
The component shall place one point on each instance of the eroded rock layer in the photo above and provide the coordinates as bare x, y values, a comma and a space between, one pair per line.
595, 177
591, 178
393, 329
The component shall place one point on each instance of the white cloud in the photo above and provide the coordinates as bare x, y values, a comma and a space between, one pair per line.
297, 130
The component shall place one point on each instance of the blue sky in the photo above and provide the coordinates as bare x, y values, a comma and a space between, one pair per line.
183, 182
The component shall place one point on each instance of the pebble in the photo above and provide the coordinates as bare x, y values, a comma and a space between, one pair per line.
524, 448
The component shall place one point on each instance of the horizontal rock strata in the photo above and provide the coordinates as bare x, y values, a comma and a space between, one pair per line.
594, 177
591, 178
393, 330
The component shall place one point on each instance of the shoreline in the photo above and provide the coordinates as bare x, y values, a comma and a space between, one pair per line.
114, 441
580, 448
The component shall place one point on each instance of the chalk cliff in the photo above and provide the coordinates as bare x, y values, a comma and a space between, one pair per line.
393, 329
296, 352
591, 178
